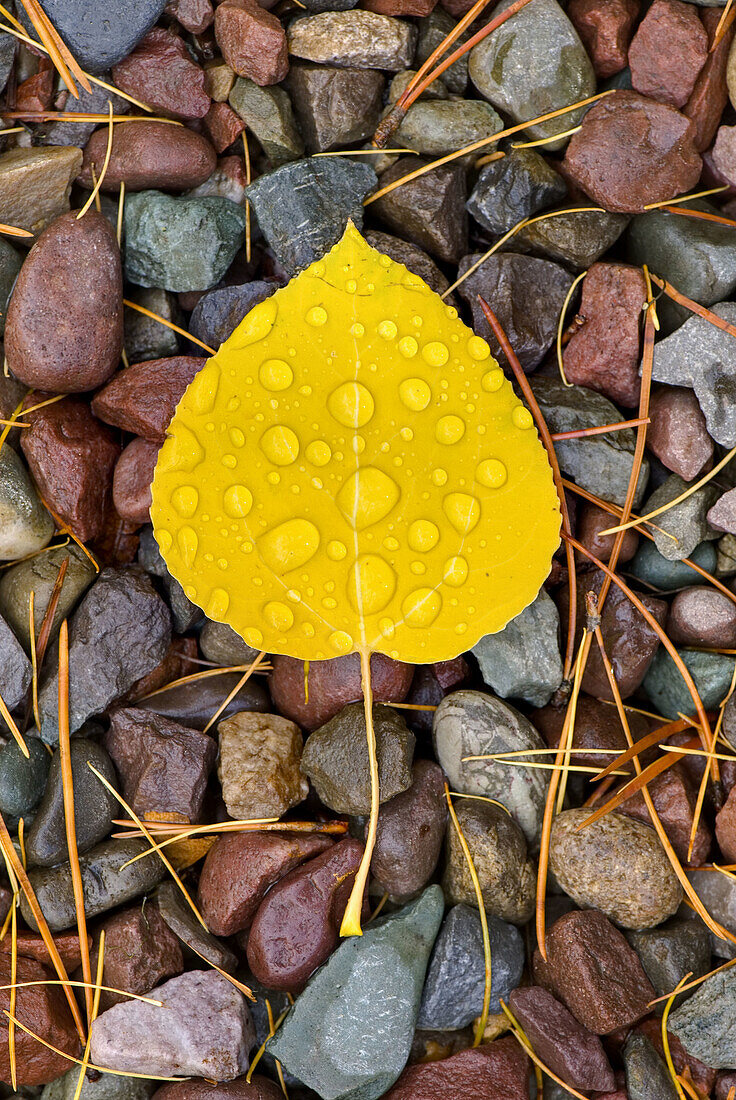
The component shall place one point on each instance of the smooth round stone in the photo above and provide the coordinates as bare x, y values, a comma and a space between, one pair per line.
25, 525
668, 691
650, 566
616, 865
22, 780
10, 265
702, 616
94, 806
39, 575
435, 127
149, 154
411, 828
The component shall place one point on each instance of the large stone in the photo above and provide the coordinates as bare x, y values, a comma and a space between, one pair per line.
180, 243
252, 41
702, 616
144, 337
601, 464
647, 1076
495, 1071
605, 28
95, 43
666, 688
335, 107
650, 566
434, 127
268, 113
161, 72
350, 1031
258, 765
142, 398
703, 357
429, 210
35, 185
470, 723
39, 574
204, 1029
119, 632
303, 207
526, 294
706, 1023
677, 433
25, 525
433, 29
140, 952
353, 40
523, 661
335, 758
670, 952
539, 39
561, 1041
455, 984
576, 239
514, 188
194, 704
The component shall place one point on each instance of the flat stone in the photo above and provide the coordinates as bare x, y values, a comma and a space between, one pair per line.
161, 72
185, 926
434, 127
616, 865
526, 294
430, 210
96, 44
15, 668
303, 207
258, 765
413, 258
207, 1029
180, 243
94, 806
700, 356
140, 952
650, 566
106, 882
353, 40
601, 464
149, 154
576, 239
499, 852
335, 107
22, 780
35, 185
561, 1041
163, 766
702, 616
145, 338
496, 1071
184, 614
252, 41
523, 661
453, 991
514, 188
268, 113
219, 312
194, 704
722, 516
705, 1023
118, 633
219, 643
335, 758
335, 1039
142, 398
647, 1076
539, 39
697, 257
411, 828
668, 691
25, 525
670, 952
677, 432
668, 51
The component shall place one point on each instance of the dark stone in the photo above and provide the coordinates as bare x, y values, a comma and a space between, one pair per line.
514, 188
335, 107
184, 614
39, 574
647, 1077
140, 952
411, 828
183, 923
560, 1041
413, 258
22, 780
15, 668
219, 312
495, 1071
670, 952
430, 210
193, 704
577, 239
99, 43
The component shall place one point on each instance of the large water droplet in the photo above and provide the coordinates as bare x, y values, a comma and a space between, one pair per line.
387, 330
340, 641
318, 452
336, 551
185, 500
202, 391
408, 347
462, 510
237, 501
316, 316
371, 584
275, 375
478, 349
278, 615
289, 546
367, 497
415, 394
456, 572
217, 604
522, 418
492, 380
435, 353
351, 404
450, 429
253, 637
280, 444
188, 543
492, 473
423, 535
421, 607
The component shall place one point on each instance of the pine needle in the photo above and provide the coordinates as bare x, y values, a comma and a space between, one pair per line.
694, 307
601, 429
11, 724
121, 208
86, 985
685, 198
193, 677
169, 324
241, 683
34, 658
60, 54
96, 189
561, 325
248, 177
14, 231
666, 1038
93, 1016
650, 772
545, 140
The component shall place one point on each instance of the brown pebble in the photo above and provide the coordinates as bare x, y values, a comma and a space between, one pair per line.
603, 353
149, 155
493, 1071
661, 160
332, 684
240, 868
710, 94
726, 827
180, 660
668, 51
31, 945
252, 41
223, 126
591, 522
402, 8
677, 434
411, 828
64, 331
44, 1010
597, 726
160, 71
605, 28
260, 1088
142, 397
702, 616
258, 765
297, 925
594, 971
71, 456
131, 483
674, 797
722, 516
194, 15
37, 92
140, 952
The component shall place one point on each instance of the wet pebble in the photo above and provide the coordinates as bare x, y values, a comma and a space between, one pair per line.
43, 1009
268, 113
131, 483
514, 188
428, 210
219, 312
523, 661
197, 942
39, 574
411, 828
605, 28
149, 155
561, 1041
252, 41
142, 398
702, 616
667, 52
15, 668
335, 107
353, 39
22, 779
497, 1070
258, 765
160, 71
140, 952
677, 434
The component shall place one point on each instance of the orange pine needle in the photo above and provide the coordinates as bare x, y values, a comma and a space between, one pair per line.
644, 743
602, 429
42, 26
694, 307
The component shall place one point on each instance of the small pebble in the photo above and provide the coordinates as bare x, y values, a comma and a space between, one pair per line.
15, 668
411, 828
647, 1076
522, 661
161, 72
258, 765
677, 434
605, 28
142, 398
140, 952
35, 185
668, 51
353, 39
39, 574
498, 1071
149, 155
252, 41
131, 482
702, 616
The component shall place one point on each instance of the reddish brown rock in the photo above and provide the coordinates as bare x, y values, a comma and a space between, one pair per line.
631, 151
603, 353
674, 797
71, 456
180, 660
44, 1010
597, 726
193, 15
260, 1088
724, 153
494, 1071
142, 397
31, 945
668, 51
64, 331
592, 968
725, 1082
722, 516
403, 8
163, 765
140, 952
562, 1043
252, 41
149, 155
591, 522
677, 434
702, 616
37, 92
726, 827
131, 483
223, 126
332, 684
629, 639
297, 925
411, 828
605, 28
160, 71
241, 867
710, 94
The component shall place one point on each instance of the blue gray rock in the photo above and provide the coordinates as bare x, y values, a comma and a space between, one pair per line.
106, 1086
184, 614
335, 108
183, 923
470, 723
219, 312
523, 661
181, 243
349, 1034
77, 133
22, 780
433, 29
650, 566
146, 338
455, 984
98, 43
441, 126
718, 895
668, 691
15, 668
683, 526
508, 190
670, 952
706, 1023
304, 207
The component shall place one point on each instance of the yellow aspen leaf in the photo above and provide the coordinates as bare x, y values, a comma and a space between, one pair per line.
352, 472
